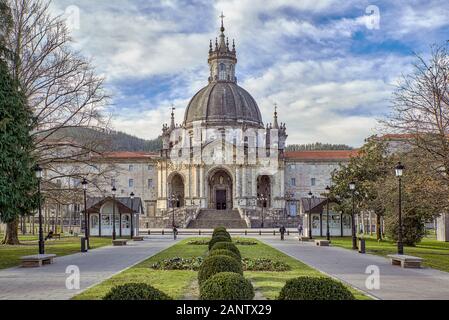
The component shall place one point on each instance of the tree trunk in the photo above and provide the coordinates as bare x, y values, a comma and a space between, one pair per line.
12, 233
378, 227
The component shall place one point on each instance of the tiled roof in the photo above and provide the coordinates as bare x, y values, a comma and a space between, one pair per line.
321, 155
127, 155
394, 136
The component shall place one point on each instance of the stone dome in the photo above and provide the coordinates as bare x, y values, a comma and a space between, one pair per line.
223, 103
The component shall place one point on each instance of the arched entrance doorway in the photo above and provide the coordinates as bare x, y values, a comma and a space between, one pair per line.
264, 188
177, 189
220, 190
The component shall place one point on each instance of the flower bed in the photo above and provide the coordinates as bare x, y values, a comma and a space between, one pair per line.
264, 265
202, 242
178, 264
244, 242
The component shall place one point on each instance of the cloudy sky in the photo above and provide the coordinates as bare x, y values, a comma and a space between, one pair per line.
331, 67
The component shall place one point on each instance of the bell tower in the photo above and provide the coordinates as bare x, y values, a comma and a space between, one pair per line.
222, 59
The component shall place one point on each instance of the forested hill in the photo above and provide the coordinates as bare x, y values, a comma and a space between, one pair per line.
318, 146
114, 140
120, 141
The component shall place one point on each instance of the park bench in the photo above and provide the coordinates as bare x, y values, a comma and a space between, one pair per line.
119, 242
51, 236
322, 243
304, 239
37, 260
405, 261
138, 238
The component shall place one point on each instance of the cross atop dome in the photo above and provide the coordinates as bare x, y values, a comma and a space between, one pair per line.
222, 22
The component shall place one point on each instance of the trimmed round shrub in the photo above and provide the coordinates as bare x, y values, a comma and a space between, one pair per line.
218, 229
217, 264
308, 288
222, 234
216, 239
224, 252
227, 286
135, 291
227, 246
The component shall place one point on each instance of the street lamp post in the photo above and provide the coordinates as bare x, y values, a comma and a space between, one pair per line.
38, 171
310, 194
86, 218
262, 198
328, 234
173, 199
399, 170
132, 214
114, 190
354, 237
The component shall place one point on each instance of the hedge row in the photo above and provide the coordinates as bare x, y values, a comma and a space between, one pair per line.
221, 274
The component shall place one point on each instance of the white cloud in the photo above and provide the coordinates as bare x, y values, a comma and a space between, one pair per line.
296, 53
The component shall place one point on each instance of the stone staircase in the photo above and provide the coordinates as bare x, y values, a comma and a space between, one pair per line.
210, 219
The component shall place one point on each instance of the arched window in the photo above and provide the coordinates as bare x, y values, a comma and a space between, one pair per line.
222, 71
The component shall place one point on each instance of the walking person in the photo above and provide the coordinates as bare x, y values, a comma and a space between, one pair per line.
175, 232
300, 229
282, 230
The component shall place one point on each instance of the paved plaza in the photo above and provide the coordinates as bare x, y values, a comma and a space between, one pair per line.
100, 264
49, 282
350, 266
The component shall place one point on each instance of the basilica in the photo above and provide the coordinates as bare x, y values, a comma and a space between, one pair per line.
223, 165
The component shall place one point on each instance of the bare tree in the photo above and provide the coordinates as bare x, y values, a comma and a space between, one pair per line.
421, 110
62, 89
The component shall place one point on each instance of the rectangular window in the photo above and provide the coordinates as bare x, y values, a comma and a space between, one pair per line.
293, 182
113, 182
150, 168
150, 183
131, 183
313, 182
131, 168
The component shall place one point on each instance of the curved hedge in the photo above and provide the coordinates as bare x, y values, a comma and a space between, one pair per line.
227, 286
307, 288
216, 239
224, 252
135, 291
227, 246
217, 264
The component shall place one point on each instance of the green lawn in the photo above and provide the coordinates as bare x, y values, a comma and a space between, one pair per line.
435, 253
10, 255
182, 284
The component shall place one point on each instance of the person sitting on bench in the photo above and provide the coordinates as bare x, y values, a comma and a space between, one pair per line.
49, 236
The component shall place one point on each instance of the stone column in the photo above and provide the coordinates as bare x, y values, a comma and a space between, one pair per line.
189, 184
254, 182
195, 181
237, 182
282, 182
244, 182
202, 185
159, 182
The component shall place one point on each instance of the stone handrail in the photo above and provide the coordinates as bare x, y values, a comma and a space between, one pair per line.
244, 217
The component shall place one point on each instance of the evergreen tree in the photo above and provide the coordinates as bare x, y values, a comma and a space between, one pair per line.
5, 25
17, 179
